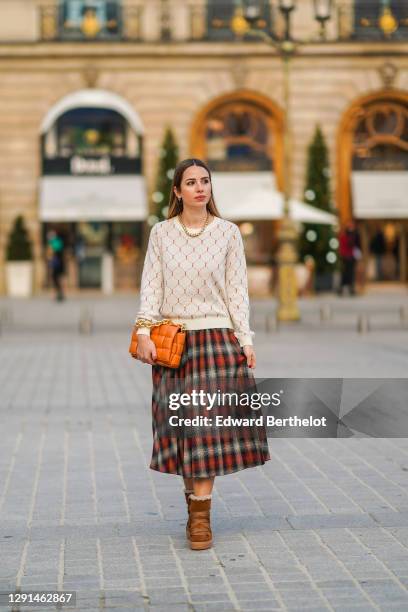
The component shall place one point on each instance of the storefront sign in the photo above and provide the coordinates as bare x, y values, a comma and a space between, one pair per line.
83, 165
78, 165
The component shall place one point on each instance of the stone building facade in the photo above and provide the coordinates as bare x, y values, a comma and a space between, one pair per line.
145, 65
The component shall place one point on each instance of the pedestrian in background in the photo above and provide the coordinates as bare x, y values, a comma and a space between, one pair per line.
378, 248
350, 254
56, 262
195, 273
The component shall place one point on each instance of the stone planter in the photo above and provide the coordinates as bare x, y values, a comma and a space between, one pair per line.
19, 278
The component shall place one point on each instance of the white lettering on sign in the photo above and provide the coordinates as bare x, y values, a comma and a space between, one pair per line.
81, 165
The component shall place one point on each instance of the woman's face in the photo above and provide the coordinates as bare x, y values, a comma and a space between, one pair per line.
195, 188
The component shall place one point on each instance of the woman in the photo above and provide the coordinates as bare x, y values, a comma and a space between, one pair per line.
195, 273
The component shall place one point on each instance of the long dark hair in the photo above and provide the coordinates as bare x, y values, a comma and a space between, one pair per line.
176, 207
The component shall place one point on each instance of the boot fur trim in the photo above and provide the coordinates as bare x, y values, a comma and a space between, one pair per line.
200, 497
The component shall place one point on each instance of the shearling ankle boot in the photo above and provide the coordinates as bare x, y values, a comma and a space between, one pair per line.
200, 526
187, 493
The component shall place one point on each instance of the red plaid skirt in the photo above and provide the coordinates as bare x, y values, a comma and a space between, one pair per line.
212, 359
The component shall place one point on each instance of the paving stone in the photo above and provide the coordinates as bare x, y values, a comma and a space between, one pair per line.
318, 521
320, 515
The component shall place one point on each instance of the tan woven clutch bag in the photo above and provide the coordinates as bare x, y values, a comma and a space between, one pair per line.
168, 338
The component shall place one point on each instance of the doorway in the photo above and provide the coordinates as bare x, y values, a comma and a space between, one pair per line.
91, 240
385, 246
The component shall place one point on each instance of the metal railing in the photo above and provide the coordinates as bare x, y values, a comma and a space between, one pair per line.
367, 21
167, 21
124, 24
212, 20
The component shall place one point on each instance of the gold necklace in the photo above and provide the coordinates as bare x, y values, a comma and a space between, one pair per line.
201, 230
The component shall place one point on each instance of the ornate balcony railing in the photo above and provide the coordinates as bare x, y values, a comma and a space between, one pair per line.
121, 23
163, 20
372, 20
211, 20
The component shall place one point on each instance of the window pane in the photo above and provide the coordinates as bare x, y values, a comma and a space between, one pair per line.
238, 138
220, 13
367, 13
381, 138
91, 131
90, 18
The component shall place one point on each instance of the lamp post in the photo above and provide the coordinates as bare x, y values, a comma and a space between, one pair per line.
241, 24
322, 10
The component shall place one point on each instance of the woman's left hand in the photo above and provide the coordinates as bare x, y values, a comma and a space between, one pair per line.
250, 355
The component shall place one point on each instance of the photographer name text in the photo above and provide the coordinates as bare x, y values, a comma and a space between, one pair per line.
229, 421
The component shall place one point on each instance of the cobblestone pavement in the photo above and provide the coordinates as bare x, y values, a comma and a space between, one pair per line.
322, 526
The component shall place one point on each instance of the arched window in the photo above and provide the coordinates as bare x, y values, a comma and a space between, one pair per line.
91, 131
368, 12
381, 137
83, 134
239, 138
379, 160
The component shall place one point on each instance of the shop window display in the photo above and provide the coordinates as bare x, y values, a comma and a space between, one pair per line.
99, 134
91, 132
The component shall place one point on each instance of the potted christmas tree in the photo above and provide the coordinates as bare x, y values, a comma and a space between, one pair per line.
319, 241
167, 164
19, 265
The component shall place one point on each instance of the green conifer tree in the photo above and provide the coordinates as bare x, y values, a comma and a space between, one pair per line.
19, 245
318, 241
167, 164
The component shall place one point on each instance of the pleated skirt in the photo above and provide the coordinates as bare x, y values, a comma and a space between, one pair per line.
212, 360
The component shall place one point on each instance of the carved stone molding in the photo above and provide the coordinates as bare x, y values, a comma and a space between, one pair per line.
388, 73
239, 74
90, 75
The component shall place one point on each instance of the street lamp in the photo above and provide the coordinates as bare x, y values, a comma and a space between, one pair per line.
322, 9
242, 23
286, 7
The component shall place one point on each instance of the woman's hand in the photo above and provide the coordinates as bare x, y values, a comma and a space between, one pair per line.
146, 349
250, 355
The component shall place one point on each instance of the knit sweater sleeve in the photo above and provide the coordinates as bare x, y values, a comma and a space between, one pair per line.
151, 288
236, 284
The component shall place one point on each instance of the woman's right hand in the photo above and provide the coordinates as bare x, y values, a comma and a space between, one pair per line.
146, 349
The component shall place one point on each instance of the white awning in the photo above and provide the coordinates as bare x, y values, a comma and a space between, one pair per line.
93, 198
253, 196
380, 195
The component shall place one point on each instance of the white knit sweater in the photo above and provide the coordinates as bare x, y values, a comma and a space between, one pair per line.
200, 281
